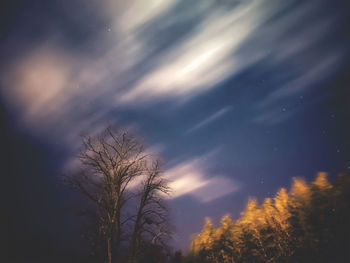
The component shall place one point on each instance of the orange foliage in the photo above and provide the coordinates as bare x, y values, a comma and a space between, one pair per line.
280, 228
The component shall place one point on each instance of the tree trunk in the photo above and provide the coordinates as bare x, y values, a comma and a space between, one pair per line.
134, 238
109, 250
133, 245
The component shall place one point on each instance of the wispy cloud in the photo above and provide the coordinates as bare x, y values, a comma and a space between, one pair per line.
209, 119
275, 115
306, 80
204, 58
142, 63
191, 178
275, 107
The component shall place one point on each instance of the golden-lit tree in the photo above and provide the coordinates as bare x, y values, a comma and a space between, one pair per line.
321, 182
224, 242
299, 207
205, 238
309, 223
281, 223
251, 223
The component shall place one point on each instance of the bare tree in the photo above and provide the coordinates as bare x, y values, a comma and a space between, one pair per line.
151, 221
110, 163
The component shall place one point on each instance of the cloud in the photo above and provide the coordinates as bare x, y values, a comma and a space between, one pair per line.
201, 60
171, 50
216, 187
276, 106
129, 16
185, 178
304, 81
209, 119
39, 84
190, 178
275, 115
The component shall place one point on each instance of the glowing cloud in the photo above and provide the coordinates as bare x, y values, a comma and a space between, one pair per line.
188, 178
54, 86
39, 84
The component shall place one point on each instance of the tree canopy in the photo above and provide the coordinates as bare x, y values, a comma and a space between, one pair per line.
126, 190
308, 223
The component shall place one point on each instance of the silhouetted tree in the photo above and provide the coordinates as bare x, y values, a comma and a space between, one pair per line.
112, 167
151, 220
176, 257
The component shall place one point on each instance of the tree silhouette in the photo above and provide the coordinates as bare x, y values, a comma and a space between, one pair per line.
151, 218
113, 166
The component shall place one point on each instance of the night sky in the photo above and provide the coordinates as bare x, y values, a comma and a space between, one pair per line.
237, 97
